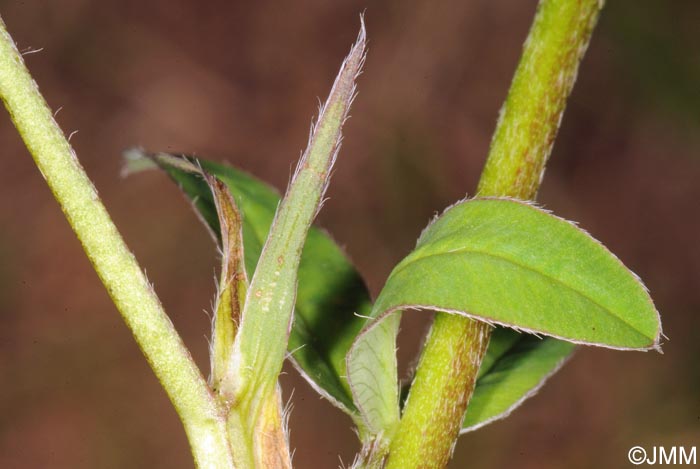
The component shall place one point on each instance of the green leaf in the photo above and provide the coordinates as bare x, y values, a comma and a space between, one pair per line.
504, 262
261, 343
508, 378
331, 295
514, 368
268, 326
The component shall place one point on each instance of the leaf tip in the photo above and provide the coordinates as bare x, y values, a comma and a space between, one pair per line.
136, 160
352, 65
657, 345
362, 36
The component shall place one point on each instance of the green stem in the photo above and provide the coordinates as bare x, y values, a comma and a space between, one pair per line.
531, 115
437, 401
521, 145
114, 263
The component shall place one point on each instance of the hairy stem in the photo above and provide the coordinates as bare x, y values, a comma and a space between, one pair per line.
430, 426
114, 263
521, 145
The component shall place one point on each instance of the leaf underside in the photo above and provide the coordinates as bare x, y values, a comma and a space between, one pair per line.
333, 302
261, 344
506, 380
331, 294
509, 263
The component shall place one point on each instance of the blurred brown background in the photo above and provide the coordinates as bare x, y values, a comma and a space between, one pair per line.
239, 81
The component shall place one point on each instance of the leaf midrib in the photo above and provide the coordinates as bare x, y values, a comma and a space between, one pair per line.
465, 250
324, 358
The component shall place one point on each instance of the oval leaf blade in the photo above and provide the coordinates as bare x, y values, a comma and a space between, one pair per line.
504, 262
510, 263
